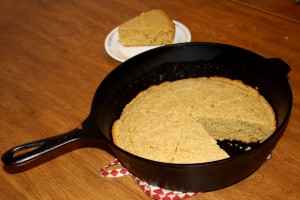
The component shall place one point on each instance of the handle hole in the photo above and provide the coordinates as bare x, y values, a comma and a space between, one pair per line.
21, 152
24, 149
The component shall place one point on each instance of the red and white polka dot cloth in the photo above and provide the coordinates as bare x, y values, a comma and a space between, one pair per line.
151, 190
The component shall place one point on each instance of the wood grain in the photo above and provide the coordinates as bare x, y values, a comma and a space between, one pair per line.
287, 9
52, 60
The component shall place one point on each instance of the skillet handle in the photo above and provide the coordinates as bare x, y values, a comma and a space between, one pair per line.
280, 65
32, 150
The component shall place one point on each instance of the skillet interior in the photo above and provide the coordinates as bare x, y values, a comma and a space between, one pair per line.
183, 61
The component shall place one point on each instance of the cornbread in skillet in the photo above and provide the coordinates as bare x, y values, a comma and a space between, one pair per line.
148, 29
180, 121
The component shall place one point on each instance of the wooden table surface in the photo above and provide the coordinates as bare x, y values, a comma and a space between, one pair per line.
52, 59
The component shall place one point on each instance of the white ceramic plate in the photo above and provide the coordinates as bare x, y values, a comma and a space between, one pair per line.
121, 53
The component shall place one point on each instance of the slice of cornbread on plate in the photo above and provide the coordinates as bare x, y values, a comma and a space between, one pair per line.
148, 29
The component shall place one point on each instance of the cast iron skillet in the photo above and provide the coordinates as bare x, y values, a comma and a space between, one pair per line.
171, 63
